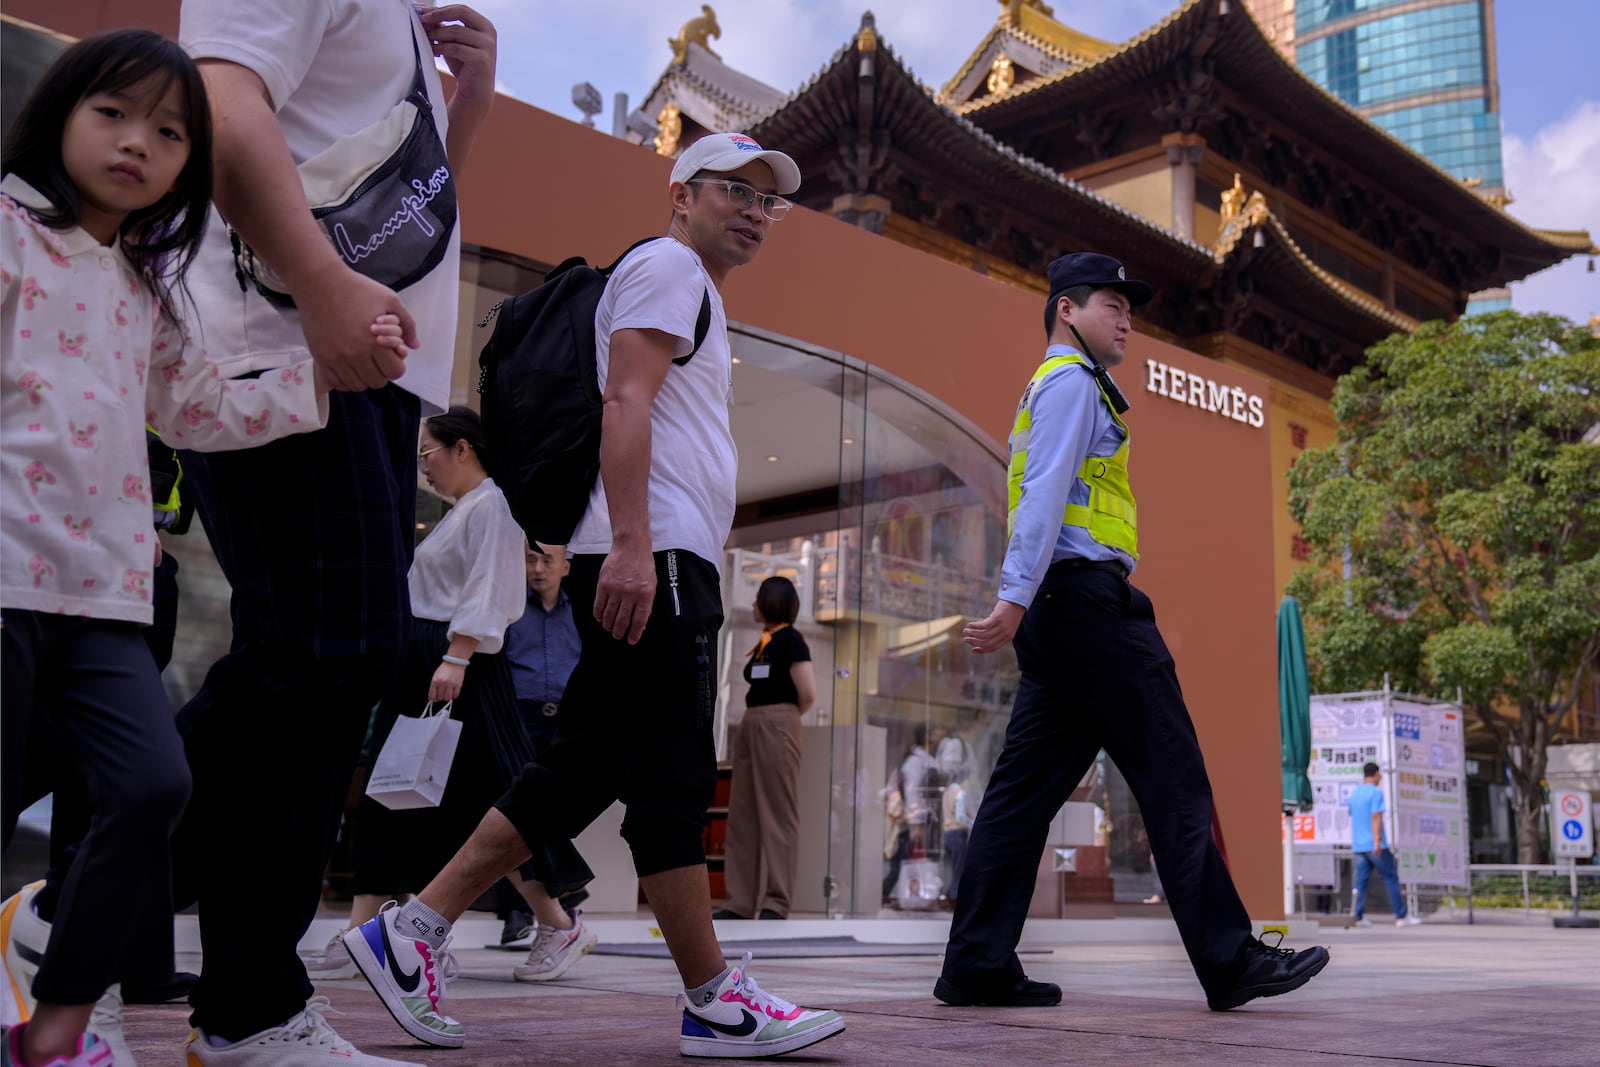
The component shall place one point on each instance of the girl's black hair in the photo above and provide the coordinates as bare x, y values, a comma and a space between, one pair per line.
777, 600
462, 424
162, 239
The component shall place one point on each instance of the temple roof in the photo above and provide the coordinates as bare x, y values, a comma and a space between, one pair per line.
1223, 51
710, 92
1035, 42
864, 125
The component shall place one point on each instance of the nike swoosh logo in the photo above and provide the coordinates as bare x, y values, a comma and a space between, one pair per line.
744, 1029
407, 982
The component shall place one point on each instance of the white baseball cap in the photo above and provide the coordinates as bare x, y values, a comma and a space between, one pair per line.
722, 152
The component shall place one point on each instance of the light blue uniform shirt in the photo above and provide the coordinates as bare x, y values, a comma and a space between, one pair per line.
1071, 422
1367, 799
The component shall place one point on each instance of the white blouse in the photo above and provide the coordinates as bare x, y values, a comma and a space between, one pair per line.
470, 570
88, 360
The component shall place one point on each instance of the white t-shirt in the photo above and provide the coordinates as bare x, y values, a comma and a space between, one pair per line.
332, 67
469, 571
693, 462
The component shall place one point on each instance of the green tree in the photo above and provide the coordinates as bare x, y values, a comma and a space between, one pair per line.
1455, 530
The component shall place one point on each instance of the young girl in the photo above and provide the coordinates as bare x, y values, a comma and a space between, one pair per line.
103, 202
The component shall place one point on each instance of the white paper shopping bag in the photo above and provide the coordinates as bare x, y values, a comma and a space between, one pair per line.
414, 764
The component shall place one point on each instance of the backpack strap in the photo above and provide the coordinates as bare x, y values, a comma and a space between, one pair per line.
702, 327
702, 323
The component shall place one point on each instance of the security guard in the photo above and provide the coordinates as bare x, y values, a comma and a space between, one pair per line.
1095, 674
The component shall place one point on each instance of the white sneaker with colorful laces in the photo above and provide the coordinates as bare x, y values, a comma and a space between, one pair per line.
742, 1021
408, 976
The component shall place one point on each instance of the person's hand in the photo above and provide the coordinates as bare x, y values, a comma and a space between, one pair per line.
341, 312
466, 41
993, 633
158, 549
625, 593
446, 683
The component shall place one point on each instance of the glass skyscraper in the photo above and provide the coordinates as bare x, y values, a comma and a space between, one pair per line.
1424, 70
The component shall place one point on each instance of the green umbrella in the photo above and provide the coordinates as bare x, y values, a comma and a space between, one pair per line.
1294, 707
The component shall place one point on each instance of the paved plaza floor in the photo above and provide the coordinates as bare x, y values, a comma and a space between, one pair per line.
1514, 994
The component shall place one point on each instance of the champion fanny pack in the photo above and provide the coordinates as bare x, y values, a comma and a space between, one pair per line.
384, 196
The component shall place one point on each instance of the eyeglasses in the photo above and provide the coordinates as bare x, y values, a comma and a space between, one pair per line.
422, 457
744, 197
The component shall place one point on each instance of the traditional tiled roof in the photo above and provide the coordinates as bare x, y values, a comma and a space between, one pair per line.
1241, 56
709, 91
807, 125
1038, 32
922, 138
1283, 268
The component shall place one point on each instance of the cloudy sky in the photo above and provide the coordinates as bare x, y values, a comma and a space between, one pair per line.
1550, 93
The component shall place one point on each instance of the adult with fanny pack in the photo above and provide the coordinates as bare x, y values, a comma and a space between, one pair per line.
333, 105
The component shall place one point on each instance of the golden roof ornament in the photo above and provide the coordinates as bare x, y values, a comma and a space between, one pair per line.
696, 31
1002, 74
1233, 199
669, 126
1013, 9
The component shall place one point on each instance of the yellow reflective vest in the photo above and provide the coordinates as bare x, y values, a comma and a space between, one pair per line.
1110, 517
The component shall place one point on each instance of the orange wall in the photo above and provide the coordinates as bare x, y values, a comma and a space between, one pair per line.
546, 188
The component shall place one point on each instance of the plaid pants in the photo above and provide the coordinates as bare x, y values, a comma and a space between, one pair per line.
315, 533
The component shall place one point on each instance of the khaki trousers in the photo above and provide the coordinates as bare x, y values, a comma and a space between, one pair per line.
764, 811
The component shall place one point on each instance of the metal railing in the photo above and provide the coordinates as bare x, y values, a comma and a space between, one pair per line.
1543, 887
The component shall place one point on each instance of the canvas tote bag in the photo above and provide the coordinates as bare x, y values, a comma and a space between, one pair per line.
414, 764
384, 196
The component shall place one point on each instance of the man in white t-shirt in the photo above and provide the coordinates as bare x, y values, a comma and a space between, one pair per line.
315, 538
647, 598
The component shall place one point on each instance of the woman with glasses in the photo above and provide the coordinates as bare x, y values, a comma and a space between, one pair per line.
467, 586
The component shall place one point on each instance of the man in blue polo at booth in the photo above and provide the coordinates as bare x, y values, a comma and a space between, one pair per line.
1095, 674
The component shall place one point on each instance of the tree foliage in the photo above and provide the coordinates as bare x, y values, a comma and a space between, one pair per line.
1455, 529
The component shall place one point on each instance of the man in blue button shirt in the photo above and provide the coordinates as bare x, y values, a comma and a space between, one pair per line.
1095, 674
542, 646
1371, 847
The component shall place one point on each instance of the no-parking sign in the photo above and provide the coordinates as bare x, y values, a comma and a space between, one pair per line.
1572, 825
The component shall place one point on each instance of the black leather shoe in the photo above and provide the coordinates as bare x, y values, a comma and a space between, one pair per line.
768, 913
176, 987
1269, 972
726, 914
1023, 993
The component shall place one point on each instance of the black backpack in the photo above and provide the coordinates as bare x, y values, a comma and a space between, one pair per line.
539, 388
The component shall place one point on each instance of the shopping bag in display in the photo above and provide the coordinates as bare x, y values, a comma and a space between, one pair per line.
414, 764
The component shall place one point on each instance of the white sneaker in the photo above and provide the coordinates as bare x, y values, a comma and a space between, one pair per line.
1363, 921
334, 963
553, 952
1409, 920
25, 936
304, 1041
408, 976
740, 1020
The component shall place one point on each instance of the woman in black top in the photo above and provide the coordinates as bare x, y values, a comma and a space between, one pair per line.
764, 809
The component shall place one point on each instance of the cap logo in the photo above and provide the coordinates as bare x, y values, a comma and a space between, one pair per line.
1122, 274
743, 143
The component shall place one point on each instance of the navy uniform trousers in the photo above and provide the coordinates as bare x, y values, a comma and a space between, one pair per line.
1095, 674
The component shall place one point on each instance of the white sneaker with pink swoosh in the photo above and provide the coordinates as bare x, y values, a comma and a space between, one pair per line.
740, 1020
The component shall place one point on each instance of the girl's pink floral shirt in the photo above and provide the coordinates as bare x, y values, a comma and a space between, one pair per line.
88, 361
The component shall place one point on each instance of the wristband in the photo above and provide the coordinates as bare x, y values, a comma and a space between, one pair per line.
457, 660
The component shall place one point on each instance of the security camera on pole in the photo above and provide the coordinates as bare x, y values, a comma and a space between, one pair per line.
1572, 834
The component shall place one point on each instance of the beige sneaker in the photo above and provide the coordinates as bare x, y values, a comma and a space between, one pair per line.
333, 964
555, 951
304, 1041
